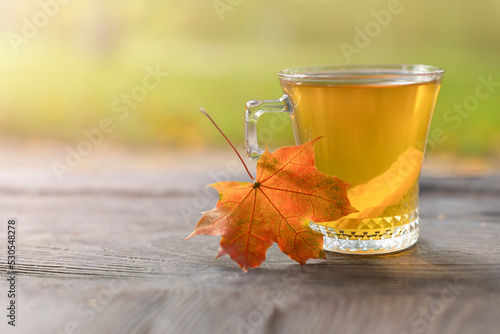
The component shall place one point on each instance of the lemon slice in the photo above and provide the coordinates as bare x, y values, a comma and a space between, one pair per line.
386, 189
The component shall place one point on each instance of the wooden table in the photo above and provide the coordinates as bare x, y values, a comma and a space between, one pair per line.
102, 253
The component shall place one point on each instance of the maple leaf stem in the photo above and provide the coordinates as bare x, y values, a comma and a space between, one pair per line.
227, 139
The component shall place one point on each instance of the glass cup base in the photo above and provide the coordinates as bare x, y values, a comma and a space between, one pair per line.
374, 241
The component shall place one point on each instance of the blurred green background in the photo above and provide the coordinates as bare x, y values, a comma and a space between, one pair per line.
64, 64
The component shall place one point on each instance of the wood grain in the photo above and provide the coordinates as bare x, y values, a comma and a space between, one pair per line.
106, 255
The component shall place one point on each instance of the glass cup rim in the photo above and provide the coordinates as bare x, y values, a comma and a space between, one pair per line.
361, 73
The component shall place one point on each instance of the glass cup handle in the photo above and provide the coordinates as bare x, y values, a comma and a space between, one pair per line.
253, 110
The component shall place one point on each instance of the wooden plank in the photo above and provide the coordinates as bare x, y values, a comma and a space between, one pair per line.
110, 259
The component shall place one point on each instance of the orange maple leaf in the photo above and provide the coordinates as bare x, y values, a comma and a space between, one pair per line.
288, 193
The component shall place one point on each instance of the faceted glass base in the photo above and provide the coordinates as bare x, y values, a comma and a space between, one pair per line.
374, 236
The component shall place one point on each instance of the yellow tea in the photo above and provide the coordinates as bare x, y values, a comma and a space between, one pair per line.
373, 136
